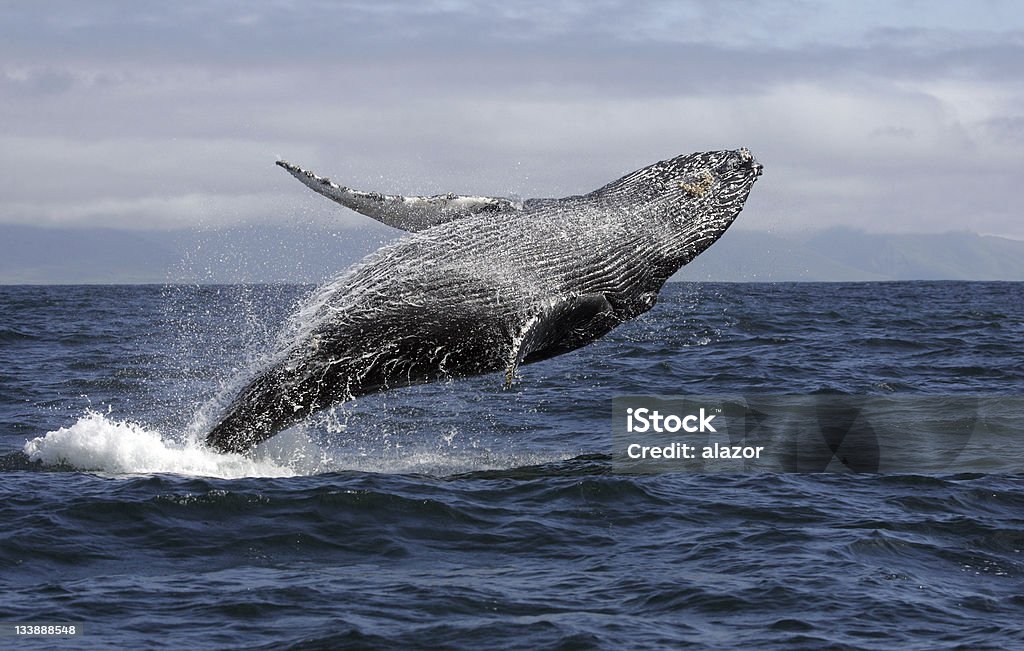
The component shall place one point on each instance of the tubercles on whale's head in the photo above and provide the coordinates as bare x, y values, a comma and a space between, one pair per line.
735, 172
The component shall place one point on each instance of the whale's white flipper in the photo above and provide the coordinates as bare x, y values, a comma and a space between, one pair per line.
405, 213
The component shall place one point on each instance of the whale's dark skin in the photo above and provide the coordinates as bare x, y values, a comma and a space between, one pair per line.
486, 284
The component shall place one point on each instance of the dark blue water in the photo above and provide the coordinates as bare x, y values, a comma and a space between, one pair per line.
462, 515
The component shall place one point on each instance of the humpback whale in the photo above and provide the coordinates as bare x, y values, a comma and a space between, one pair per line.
485, 284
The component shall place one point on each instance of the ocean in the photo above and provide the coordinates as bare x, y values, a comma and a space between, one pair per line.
464, 515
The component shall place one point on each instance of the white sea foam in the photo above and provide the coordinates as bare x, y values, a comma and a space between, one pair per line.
100, 443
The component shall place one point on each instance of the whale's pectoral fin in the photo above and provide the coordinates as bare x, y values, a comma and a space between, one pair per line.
406, 213
563, 325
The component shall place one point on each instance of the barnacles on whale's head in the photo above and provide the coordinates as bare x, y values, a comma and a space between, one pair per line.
701, 187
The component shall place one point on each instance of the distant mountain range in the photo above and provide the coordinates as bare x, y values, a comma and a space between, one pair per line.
32, 255
841, 254
35, 255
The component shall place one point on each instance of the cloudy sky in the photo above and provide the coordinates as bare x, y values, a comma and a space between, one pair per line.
890, 117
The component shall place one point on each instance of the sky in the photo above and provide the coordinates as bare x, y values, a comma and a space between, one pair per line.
881, 116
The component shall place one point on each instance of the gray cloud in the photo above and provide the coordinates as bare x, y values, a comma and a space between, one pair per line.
165, 115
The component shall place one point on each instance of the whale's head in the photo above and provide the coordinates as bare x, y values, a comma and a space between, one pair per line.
690, 200
701, 195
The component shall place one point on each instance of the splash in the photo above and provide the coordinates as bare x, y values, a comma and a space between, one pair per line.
98, 443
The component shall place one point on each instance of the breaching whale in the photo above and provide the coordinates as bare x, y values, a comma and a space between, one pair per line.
486, 284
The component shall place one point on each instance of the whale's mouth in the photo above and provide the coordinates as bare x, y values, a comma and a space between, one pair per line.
748, 160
